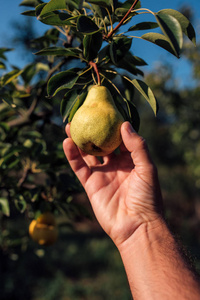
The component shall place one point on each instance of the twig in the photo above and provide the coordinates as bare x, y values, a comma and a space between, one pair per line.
94, 65
24, 176
122, 20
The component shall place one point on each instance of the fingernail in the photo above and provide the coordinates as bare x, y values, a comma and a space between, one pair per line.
130, 128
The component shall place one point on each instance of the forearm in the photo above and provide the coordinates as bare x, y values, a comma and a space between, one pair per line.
155, 267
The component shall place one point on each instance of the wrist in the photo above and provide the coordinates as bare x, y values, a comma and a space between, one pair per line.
146, 233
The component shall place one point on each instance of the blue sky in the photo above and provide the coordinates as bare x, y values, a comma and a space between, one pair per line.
11, 11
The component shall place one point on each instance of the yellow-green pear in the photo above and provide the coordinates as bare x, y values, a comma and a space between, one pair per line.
95, 127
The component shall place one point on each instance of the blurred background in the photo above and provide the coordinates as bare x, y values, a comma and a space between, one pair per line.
84, 263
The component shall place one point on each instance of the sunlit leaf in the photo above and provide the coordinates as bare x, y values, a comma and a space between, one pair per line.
147, 93
186, 26
4, 206
9, 77
159, 40
52, 6
31, 3
102, 3
172, 30
60, 51
57, 19
144, 26
2, 65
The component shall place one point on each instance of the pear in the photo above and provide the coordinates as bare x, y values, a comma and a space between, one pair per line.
95, 127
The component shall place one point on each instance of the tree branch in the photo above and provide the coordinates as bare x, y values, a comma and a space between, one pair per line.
28, 116
122, 20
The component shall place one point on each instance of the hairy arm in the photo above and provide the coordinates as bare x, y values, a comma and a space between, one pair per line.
125, 195
156, 267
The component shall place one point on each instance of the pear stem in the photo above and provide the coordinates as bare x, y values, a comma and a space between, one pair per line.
122, 20
94, 66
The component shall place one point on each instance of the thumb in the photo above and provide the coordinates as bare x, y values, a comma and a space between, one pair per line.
136, 145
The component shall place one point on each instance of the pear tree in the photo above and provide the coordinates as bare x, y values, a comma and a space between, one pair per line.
86, 43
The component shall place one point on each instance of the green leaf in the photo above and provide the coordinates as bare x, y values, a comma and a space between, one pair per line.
134, 117
144, 26
29, 13
118, 48
102, 3
104, 53
159, 40
4, 126
9, 160
39, 9
2, 51
31, 70
51, 36
59, 19
120, 12
147, 93
55, 18
31, 3
85, 25
91, 45
28, 73
186, 26
4, 206
2, 65
41, 67
20, 203
128, 63
97, 10
52, 6
62, 80
128, 3
70, 103
6, 97
60, 51
172, 30
137, 61
129, 89
9, 77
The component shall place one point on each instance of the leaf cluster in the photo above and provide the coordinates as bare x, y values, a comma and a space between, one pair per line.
93, 25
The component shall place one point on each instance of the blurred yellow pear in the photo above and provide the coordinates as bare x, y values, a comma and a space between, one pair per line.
95, 127
44, 230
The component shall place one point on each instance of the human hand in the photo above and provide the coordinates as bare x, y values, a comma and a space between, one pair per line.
123, 190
